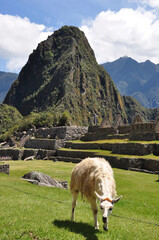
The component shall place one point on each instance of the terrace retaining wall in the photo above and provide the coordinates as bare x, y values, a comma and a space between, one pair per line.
19, 154
50, 144
119, 148
115, 161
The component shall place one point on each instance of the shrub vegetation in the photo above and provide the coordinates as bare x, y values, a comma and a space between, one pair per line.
19, 123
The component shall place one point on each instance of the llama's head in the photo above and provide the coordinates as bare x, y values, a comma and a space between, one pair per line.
106, 205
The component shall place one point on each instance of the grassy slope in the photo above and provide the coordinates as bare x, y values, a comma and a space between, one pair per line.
34, 212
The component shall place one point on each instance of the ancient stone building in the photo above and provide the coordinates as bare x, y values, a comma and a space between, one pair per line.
137, 130
144, 131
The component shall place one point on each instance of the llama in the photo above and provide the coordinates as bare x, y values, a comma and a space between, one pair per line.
93, 177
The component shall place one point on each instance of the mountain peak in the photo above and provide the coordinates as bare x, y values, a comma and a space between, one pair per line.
139, 80
63, 74
125, 56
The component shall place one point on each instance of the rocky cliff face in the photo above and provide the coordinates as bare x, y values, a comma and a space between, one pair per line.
62, 74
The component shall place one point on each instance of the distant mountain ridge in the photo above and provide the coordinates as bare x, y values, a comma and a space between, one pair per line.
62, 74
139, 80
6, 80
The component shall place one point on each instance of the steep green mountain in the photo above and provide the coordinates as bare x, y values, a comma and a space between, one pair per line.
6, 80
62, 75
139, 80
9, 116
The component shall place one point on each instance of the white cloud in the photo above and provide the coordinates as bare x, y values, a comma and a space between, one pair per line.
151, 3
148, 3
134, 33
18, 39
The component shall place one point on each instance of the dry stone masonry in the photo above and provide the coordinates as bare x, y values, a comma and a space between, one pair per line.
4, 168
41, 143
44, 143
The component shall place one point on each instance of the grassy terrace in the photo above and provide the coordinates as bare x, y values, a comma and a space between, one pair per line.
33, 212
117, 141
109, 153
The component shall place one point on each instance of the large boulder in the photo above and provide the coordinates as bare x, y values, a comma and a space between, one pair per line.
42, 179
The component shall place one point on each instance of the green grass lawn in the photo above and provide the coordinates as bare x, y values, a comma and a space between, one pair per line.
29, 211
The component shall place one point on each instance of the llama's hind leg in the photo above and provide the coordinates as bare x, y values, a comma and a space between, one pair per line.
74, 201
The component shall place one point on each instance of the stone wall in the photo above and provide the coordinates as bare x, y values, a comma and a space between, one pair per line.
102, 146
74, 154
119, 148
137, 131
132, 148
50, 144
21, 154
4, 168
143, 131
126, 163
143, 136
67, 133
97, 133
10, 152
92, 129
123, 129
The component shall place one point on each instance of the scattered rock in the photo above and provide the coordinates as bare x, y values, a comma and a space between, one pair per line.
30, 158
42, 179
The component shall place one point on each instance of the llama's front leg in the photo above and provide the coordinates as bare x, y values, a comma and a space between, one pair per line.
95, 212
74, 200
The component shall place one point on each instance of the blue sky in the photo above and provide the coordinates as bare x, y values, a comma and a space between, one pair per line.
114, 28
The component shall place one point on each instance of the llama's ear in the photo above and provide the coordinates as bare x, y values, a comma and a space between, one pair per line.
98, 196
116, 200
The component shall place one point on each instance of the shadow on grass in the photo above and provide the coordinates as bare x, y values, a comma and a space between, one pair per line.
77, 227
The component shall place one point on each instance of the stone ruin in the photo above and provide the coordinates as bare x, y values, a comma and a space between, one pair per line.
137, 130
39, 143
144, 131
4, 168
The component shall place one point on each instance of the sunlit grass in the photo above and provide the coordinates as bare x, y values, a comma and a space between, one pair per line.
33, 212
102, 141
116, 141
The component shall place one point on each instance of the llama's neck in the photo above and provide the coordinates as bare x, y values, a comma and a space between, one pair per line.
104, 187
